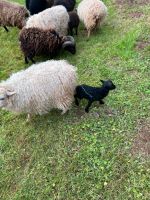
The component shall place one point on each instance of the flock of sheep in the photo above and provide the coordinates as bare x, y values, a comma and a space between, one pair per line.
45, 25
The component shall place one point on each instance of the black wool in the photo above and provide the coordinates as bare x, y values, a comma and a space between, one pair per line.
36, 6
68, 4
73, 22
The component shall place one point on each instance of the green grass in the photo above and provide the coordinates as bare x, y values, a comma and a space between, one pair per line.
81, 156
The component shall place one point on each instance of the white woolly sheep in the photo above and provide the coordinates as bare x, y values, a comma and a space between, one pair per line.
12, 14
39, 88
55, 18
92, 13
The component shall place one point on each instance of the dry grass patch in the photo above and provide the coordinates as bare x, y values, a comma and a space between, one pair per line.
133, 2
141, 45
141, 143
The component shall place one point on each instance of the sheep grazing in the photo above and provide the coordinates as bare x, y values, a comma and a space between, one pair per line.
92, 14
68, 4
34, 41
39, 88
93, 93
12, 14
73, 22
36, 6
55, 18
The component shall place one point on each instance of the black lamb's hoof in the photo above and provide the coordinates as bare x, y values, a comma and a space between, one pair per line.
86, 110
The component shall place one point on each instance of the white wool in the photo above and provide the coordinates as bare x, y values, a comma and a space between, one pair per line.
41, 87
89, 10
56, 18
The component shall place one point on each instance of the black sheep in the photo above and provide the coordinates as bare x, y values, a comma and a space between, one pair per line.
68, 4
93, 93
36, 6
73, 22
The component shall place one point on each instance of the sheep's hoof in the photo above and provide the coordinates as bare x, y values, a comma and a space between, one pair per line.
86, 110
64, 111
101, 102
28, 118
26, 60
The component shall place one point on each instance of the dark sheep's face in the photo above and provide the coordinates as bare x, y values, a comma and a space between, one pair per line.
71, 48
108, 84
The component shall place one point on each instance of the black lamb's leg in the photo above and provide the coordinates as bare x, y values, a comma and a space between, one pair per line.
32, 60
30, 56
76, 100
6, 29
101, 101
26, 60
88, 106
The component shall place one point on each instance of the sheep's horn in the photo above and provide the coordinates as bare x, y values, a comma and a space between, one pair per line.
66, 43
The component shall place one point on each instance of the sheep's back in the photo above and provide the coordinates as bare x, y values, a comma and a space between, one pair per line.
55, 18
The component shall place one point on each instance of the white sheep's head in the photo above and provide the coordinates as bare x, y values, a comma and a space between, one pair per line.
5, 94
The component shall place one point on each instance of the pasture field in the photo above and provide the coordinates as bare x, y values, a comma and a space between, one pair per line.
103, 155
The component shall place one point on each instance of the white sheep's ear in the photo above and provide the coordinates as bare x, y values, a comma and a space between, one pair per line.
10, 93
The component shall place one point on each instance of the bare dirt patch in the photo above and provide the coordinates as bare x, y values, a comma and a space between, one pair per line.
141, 143
132, 2
141, 45
136, 15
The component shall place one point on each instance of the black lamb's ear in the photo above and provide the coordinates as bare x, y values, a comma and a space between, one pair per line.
102, 81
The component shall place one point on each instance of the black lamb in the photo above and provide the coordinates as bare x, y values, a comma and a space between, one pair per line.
73, 22
93, 93
36, 6
68, 4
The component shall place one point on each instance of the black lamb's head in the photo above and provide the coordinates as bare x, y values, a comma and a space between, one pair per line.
69, 44
108, 84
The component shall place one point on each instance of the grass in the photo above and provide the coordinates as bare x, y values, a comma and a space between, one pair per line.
81, 156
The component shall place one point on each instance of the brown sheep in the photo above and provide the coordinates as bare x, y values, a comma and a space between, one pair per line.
35, 41
12, 14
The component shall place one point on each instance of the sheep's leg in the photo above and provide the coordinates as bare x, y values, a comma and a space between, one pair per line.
28, 118
88, 106
71, 31
101, 101
76, 100
32, 60
64, 111
26, 60
89, 32
6, 29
